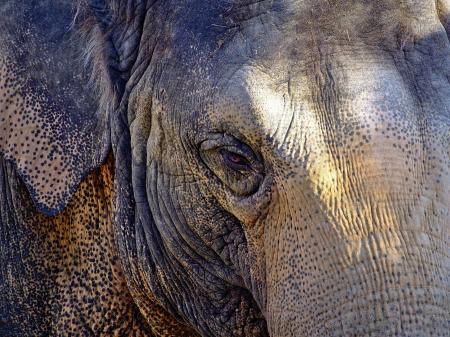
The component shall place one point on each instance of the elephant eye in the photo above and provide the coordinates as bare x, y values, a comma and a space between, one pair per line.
234, 163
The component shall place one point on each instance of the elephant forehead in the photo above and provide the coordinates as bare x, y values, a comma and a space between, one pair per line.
278, 60
261, 28
299, 50
331, 102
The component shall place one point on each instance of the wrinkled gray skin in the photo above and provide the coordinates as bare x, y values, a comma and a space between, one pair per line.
281, 162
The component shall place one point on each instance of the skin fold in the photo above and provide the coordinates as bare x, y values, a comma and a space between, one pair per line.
225, 168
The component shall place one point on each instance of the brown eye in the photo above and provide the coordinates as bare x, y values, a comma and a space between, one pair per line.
235, 161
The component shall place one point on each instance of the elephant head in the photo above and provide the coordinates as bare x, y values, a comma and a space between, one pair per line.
281, 167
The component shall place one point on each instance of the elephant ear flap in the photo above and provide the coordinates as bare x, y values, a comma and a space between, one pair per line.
50, 124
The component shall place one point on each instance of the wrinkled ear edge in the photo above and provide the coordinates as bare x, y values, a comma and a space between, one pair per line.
65, 200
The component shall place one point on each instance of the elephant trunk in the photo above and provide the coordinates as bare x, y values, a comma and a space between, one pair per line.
390, 283
357, 251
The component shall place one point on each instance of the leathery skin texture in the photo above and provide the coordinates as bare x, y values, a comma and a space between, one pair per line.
276, 168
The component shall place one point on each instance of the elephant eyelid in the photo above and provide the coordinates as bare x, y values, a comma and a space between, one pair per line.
232, 152
235, 161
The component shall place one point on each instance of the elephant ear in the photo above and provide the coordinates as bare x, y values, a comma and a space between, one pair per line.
50, 124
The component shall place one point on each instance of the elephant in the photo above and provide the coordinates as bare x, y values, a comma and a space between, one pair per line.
225, 168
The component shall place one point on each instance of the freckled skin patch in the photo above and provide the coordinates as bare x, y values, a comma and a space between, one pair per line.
46, 107
27, 136
72, 283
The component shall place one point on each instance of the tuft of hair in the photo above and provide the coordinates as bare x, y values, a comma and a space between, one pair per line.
93, 23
